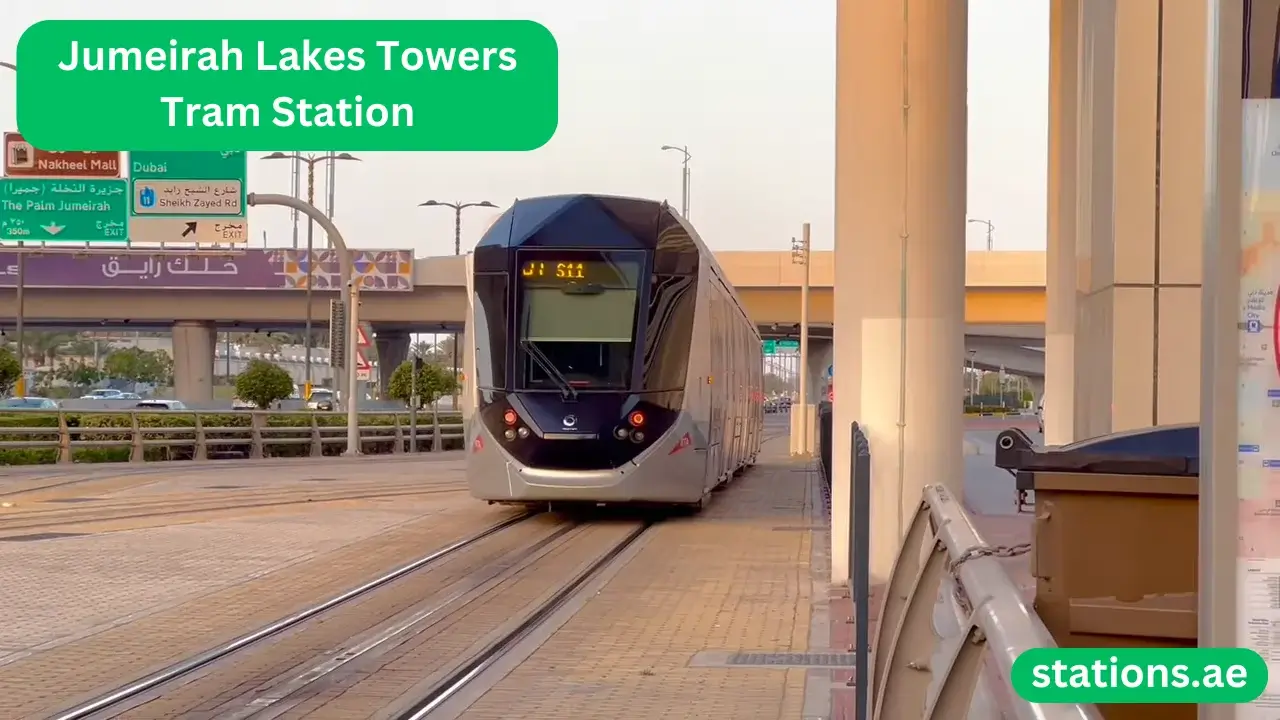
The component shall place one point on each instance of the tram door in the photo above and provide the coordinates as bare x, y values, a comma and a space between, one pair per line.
715, 434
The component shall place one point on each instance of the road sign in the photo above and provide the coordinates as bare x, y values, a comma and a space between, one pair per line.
21, 159
188, 197
788, 344
362, 337
56, 210
831, 371
362, 362
772, 346
769, 346
201, 231
831, 394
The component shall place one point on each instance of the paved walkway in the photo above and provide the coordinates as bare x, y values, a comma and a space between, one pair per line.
735, 579
87, 612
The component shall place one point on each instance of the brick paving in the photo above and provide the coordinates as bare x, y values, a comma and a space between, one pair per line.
735, 578
84, 614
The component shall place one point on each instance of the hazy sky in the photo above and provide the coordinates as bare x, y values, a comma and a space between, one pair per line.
748, 85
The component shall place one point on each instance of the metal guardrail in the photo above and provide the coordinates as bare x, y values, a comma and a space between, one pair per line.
952, 622
403, 432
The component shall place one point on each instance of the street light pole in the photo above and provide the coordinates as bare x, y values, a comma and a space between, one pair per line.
990, 229
21, 389
684, 177
351, 283
458, 207
310, 161
800, 256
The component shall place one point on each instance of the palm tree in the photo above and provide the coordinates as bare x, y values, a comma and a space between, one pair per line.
45, 347
82, 347
422, 349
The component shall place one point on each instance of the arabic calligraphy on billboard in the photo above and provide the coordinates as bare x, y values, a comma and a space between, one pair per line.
379, 270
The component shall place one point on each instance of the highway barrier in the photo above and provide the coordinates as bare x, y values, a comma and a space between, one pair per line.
34, 437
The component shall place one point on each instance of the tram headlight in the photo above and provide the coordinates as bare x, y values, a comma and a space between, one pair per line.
621, 433
637, 436
509, 434
523, 432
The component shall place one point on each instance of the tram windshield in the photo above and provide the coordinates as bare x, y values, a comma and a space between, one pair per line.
577, 317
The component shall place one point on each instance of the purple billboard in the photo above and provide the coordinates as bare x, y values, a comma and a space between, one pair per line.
381, 270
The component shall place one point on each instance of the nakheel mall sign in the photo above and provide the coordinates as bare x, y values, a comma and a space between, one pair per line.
22, 159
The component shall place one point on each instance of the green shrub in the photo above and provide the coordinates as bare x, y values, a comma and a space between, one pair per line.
10, 370
180, 426
264, 384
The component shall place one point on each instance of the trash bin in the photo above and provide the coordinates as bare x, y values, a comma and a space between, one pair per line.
1115, 540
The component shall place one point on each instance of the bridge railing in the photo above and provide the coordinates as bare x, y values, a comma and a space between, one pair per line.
951, 620
33, 436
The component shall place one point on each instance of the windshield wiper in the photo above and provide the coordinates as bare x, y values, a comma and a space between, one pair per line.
550, 369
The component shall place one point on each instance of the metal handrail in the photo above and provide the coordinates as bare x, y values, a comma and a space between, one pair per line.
944, 561
403, 432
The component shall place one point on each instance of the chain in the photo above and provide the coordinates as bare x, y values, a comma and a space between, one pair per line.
977, 551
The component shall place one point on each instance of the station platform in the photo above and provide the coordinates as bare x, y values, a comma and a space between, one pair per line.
109, 573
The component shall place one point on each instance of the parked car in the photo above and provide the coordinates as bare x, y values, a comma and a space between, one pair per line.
238, 404
28, 403
103, 394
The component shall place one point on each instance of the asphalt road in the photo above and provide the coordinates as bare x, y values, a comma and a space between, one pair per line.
988, 490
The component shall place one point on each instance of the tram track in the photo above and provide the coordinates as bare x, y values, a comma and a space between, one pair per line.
66, 479
126, 696
405, 643
160, 507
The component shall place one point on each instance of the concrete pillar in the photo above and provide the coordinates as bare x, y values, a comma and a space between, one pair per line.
1060, 317
460, 342
821, 356
193, 345
393, 349
1139, 278
1094, 152
900, 217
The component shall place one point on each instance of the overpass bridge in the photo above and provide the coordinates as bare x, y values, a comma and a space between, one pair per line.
259, 290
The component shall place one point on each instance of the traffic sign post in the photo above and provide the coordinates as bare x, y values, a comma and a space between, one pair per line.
56, 210
188, 197
57, 197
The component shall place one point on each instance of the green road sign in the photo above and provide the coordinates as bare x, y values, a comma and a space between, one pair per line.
773, 346
230, 165
64, 210
196, 197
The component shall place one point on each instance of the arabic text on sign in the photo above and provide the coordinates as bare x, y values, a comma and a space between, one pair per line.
156, 267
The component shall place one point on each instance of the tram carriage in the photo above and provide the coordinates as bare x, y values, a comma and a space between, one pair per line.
608, 360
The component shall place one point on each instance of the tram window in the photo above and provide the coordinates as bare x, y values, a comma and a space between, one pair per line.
579, 308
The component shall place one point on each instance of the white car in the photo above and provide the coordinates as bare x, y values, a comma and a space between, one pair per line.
103, 394
322, 399
154, 404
